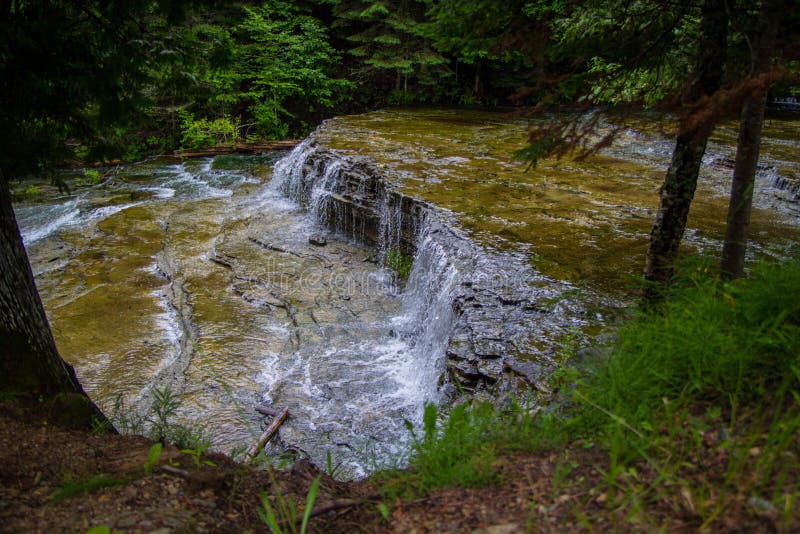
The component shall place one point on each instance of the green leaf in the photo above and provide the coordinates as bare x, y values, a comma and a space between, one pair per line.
268, 516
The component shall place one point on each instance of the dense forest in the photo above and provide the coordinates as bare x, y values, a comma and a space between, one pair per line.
154, 79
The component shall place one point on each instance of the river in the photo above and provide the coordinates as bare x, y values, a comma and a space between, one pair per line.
244, 280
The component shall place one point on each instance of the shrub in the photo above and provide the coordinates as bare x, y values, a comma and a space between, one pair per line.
710, 344
203, 132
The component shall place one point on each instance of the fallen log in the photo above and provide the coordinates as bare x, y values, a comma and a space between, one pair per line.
268, 433
237, 148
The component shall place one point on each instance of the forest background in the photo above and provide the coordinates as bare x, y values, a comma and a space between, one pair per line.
197, 74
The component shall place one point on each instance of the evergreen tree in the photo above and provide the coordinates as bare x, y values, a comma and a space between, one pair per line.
748, 146
388, 44
263, 70
494, 43
687, 55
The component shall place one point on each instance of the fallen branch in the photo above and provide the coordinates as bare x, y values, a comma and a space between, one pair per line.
210, 478
175, 471
267, 411
241, 148
268, 433
343, 503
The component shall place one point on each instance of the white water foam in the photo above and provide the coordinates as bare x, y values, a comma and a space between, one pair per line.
405, 364
38, 222
42, 223
192, 185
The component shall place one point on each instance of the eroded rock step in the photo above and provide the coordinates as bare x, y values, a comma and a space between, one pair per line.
507, 321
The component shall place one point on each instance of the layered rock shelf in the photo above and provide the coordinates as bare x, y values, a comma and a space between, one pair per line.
507, 320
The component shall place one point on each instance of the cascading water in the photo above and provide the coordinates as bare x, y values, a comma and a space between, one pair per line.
428, 301
467, 311
231, 305
418, 334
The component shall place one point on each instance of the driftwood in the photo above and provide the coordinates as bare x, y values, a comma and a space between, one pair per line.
236, 148
263, 410
269, 432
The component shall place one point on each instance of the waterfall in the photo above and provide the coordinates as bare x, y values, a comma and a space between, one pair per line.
355, 202
428, 303
288, 171
391, 224
470, 316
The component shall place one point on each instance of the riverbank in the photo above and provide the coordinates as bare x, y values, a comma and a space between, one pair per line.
57, 479
199, 280
54, 479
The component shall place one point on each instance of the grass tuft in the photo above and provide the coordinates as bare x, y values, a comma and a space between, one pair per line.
80, 487
710, 343
463, 448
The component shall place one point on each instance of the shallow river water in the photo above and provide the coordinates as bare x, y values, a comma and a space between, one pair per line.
205, 278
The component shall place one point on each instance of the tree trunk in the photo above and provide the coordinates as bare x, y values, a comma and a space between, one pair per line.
681, 178
676, 198
29, 360
748, 147
741, 202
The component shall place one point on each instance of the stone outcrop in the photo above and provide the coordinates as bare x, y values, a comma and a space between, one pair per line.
506, 318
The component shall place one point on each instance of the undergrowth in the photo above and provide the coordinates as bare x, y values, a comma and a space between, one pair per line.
399, 262
281, 516
462, 450
703, 391
696, 404
159, 423
718, 344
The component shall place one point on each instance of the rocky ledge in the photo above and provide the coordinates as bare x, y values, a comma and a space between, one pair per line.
508, 321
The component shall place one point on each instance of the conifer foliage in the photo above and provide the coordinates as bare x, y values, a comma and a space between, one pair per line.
386, 40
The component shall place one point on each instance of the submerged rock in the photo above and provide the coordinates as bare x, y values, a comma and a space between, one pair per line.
318, 240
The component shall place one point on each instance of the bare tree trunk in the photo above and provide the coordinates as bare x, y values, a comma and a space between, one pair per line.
741, 202
749, 146
681, 178
29, 360
676, 198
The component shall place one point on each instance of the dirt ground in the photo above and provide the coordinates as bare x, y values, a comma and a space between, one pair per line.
40, 461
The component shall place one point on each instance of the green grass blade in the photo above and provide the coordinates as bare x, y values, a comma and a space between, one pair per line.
310, 498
